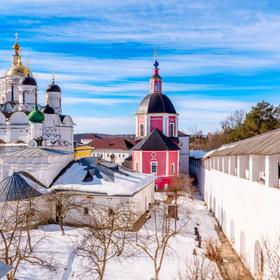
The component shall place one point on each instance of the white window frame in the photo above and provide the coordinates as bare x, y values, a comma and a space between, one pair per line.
136, 166
153, 163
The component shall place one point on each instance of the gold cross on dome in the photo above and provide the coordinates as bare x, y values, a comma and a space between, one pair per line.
16, 34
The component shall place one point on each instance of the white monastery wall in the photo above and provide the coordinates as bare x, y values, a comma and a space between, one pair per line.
243, 193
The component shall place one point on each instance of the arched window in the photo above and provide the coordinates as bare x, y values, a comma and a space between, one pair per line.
112, 158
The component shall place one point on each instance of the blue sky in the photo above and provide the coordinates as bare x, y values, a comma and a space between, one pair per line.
215, 56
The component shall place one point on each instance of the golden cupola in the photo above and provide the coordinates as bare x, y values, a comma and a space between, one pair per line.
17, 69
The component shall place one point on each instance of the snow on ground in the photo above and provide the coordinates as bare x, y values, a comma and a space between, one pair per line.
69, 267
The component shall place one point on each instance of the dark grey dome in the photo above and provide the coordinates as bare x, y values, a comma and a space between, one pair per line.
28, 80
53, 87
156, 103
48, 110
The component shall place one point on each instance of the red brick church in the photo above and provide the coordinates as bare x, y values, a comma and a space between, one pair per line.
161, 149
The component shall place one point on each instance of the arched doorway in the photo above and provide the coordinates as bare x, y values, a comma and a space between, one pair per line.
242, 246
258, 261
112, 158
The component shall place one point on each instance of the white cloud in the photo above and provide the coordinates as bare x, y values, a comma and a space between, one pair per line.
97, 101
114, 124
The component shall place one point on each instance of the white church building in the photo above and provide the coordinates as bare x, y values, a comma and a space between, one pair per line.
34, 138
240, 184
22, 120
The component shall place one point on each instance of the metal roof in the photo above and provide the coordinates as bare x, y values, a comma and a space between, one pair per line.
263, 144
19, 187
34, 152
156, 103
156, 141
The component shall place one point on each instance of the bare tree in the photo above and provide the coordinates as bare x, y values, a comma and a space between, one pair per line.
64, 203
16, 244
199, 268
153, 239
106, 236
181, 184
271, 254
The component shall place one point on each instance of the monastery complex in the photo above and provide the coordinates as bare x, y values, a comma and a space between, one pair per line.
39, 154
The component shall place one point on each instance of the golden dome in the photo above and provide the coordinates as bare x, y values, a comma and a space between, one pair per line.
18, 70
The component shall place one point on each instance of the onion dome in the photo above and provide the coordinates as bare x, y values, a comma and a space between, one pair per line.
35, 116
18, 70
48, 110
28, 81
156, 103
53, 88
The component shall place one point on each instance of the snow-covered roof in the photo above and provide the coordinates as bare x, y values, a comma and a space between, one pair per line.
101, 177
197, 154
34, 152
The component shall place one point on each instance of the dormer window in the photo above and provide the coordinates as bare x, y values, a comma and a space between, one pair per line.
88, 177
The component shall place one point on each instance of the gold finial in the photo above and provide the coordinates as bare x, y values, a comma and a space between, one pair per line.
16, 45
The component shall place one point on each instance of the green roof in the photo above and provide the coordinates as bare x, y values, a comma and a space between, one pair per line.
36, 116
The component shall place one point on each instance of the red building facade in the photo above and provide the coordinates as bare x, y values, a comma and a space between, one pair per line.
157, 150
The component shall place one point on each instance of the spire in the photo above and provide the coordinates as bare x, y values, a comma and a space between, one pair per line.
53, 79
155, 81
16, 45
156, 64
16, 57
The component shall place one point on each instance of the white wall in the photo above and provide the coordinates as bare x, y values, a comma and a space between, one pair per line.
139, 203
44, 169
120, 155
245, 209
